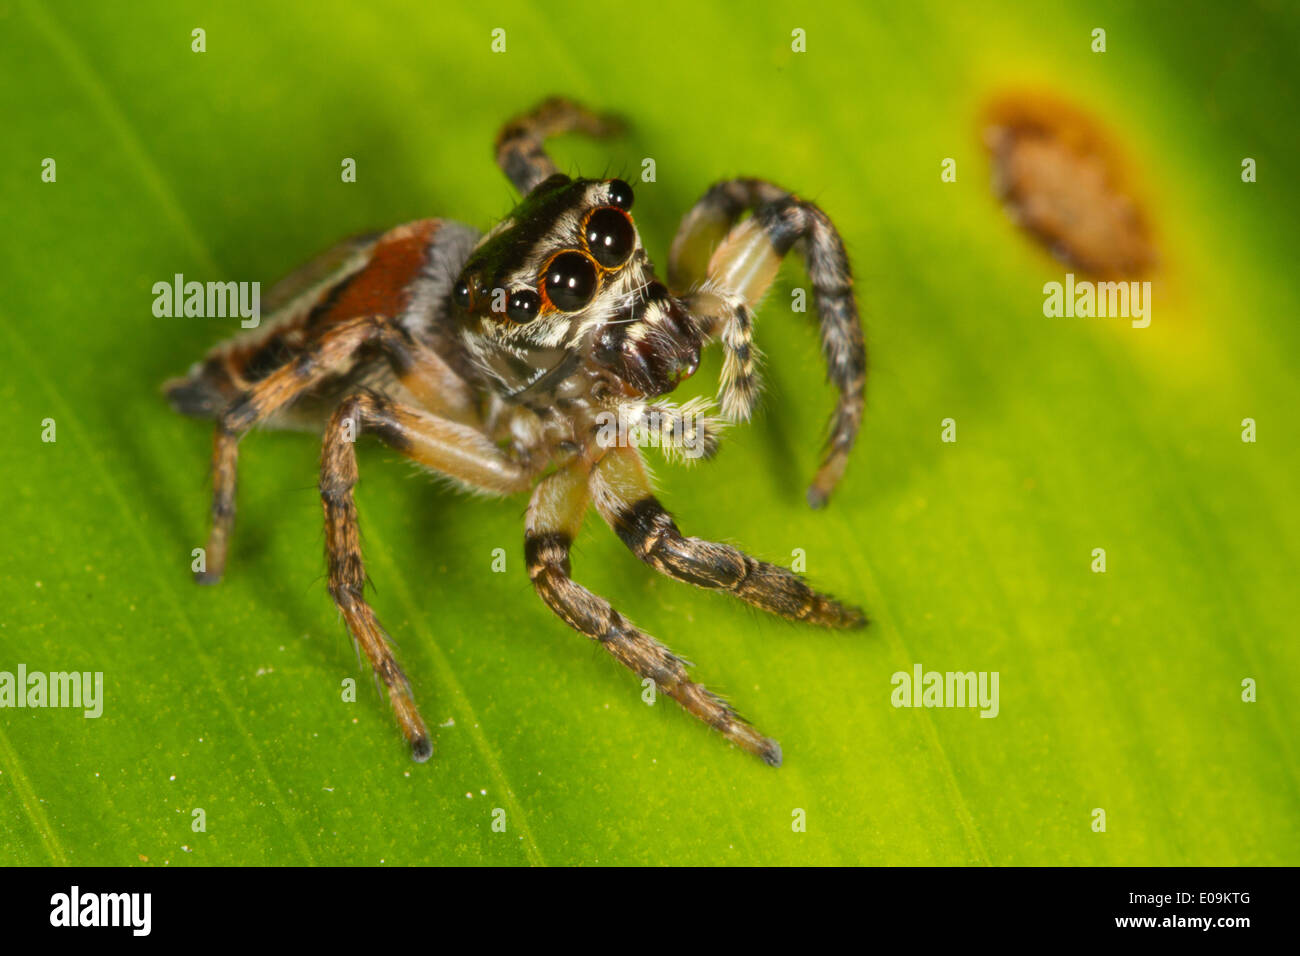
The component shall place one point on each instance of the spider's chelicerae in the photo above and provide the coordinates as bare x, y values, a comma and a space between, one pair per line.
500, 360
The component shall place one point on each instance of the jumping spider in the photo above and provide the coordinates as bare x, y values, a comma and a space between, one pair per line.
493, 359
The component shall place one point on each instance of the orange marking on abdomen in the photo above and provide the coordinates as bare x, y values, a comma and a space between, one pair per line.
382, 286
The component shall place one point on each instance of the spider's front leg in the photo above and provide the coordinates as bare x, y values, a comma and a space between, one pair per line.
554, 516
727, 282
625, 498
449, 448
519, 150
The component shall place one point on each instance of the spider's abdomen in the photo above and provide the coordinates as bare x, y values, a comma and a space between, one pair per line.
404, 274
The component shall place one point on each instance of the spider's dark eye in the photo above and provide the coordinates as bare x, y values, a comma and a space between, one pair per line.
610, 237
461, 294
523, 305
620, 194
570, 281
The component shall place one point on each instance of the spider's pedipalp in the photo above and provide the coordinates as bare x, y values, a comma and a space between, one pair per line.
625, 499
554, 516
741, 269
732, 319
684, 432
519, 150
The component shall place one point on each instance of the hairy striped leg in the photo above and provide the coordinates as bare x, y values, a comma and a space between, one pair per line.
554, 516
519, 149
424, 373
625, 498
448, 448
742, 261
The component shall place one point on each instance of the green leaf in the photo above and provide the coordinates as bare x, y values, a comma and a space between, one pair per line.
1120, 691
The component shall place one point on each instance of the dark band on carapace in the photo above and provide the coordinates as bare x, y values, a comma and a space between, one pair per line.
534, 219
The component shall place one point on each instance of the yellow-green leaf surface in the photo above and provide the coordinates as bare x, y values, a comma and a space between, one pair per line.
1120, 691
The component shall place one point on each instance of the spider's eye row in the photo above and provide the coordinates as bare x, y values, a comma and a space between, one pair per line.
523, 305
570, 281
610, 236
620, 194
461, 294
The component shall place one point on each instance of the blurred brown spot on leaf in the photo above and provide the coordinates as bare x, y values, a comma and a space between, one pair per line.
1063, 182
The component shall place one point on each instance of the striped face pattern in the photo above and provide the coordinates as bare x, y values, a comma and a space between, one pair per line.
564, 282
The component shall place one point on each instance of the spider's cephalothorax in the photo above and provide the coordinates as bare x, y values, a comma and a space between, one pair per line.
560, 301
500, 361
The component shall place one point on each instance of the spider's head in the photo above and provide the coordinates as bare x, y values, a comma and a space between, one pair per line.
558, 281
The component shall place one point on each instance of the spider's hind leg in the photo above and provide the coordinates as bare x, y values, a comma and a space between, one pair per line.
626, 500
554, 517
331, 353
425, 375
729, 280
519, 149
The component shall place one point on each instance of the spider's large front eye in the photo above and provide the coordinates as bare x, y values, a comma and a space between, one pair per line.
461, 294
523, 305
610, 237
570, 281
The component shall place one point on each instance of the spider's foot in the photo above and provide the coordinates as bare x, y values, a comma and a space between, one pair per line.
737, 730
421, 748
207, 577
827, 612
770, 753
408, 716
607, 125
853, 619
827, 477
822, 610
